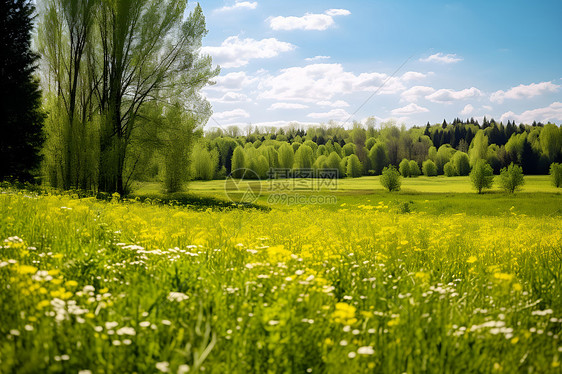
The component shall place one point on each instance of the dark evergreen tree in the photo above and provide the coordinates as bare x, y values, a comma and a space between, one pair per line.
21, 118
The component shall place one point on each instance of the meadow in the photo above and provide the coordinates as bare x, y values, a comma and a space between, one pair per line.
432, 279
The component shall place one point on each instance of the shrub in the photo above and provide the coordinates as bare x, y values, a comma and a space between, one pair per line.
414, 169
482, 175
404, 168
511, 178
449, 169
390, 179
429, 169
556, 174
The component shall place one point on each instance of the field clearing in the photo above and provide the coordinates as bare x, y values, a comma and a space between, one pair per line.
136, 287
435, 195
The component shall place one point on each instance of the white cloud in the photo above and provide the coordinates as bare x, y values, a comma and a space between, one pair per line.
240, 5
552, 113
334, 104
442, 58
447, 95
409, 109
415, 93
338, 12
230, 114
230, 98
321, 82
287, 106
467, 110
317, 58
236, 52
334, 114
524, 91
310, 21
235, 81
413, 75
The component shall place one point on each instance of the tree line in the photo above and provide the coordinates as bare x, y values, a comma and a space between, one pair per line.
441, 149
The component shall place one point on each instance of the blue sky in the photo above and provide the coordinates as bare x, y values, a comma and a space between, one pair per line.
315, 61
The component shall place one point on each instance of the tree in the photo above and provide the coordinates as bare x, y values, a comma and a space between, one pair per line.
462, 163
334, 162
556, 174
482, 175
203, 164
511, 178
285, 156
107, 60
354, 167
304, 157
429, 169
449, 169
551, 141
390, 179
238, 162
378, 157
414, 169
21, 117
478, 148
404, 168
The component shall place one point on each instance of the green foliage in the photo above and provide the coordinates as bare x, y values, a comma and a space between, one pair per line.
478, 148
203, 164
390, 179
461, 163
348, 149
285, 156
354, 167
21, 115
551, 141
378, 157
404, 168
556, 174
429, 169
414, 169
482, 175
304, 157
334, 162
449, 169
238, 162
511, 178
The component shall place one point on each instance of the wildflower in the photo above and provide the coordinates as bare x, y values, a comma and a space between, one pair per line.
344, 314
177, 296
472, 259
163, 366
367, 350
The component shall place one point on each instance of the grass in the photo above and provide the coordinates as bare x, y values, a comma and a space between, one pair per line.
463, 283
435, 195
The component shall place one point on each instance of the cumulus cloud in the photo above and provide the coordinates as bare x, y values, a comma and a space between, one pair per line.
524, 91
442, 58
235, 52
334, 104
321, 82
334, 114
235, 81
413, 75
287, 106
317, 58
415, 93
552, 113
409, 109
467, 110
230, 98
310, 21
239, 5
230, 114
447, 95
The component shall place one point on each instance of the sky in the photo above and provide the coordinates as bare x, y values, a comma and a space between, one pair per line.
410, 61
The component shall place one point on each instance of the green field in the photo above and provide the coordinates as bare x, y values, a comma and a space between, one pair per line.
463, 283
436, 195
